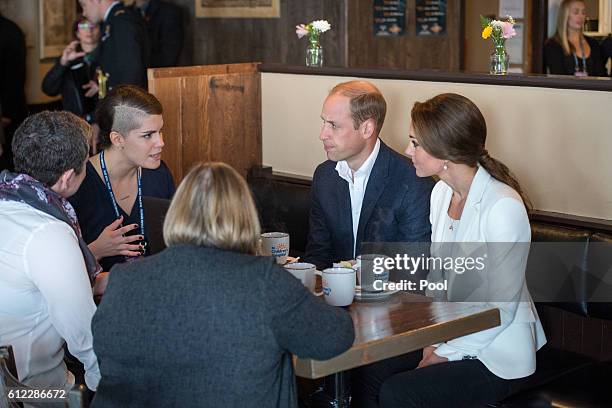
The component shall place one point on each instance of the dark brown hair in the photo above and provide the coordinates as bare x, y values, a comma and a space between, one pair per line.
451, 127
47, 144
122, 110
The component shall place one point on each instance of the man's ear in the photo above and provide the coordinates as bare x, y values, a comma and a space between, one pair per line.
367, 128
63, 183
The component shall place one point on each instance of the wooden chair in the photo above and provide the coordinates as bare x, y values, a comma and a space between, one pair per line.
9, 378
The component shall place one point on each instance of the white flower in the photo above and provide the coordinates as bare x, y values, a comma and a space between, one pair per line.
497, 24
321, 25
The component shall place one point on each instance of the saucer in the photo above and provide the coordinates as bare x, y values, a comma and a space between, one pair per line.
373, 296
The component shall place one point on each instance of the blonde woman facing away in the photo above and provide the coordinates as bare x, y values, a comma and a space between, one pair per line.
212, 325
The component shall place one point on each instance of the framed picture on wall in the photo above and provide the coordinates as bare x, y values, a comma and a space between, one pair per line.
55, 25
237, 8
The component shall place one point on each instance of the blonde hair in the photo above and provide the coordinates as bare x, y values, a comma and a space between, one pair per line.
213, 206
366, 102
561, 33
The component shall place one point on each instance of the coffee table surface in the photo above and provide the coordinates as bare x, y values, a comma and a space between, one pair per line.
402, 323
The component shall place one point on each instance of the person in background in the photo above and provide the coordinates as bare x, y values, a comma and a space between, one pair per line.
12, 83
165, 28
109, 202
569, 51
606, 48
477, 200
214, 310
123, 51
45, 294
365, 191
73, 75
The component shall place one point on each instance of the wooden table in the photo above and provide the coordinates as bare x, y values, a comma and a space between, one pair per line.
405, 322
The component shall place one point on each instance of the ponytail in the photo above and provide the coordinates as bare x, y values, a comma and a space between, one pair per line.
501, 172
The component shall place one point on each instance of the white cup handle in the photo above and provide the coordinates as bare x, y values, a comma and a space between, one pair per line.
318, 273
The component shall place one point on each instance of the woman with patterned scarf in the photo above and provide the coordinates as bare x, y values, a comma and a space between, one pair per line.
46, 269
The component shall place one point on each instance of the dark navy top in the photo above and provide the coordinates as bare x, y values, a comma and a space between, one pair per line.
95, 211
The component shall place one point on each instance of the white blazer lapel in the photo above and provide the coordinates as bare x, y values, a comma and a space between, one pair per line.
469, 226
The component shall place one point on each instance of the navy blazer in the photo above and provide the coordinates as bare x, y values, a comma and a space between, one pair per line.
395, 209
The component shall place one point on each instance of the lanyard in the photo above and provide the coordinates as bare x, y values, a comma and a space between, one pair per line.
112, 195
577, 70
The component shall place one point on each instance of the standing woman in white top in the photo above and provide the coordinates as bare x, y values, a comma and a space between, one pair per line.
477, 200
45, 266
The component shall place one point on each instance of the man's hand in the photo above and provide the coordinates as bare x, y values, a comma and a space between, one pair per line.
112, 241
430, 358
70, 53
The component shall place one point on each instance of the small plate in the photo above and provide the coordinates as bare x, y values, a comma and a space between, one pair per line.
373, 296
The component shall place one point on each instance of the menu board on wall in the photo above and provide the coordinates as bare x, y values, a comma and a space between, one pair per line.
389, 17
430, 17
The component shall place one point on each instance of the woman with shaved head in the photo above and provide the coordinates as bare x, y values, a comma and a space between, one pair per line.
129, 166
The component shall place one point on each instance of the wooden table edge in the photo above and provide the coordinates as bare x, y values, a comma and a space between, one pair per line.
396, 345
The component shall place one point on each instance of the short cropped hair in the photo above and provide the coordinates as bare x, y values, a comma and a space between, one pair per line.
122, 110
213, 206
48, 144
366, 102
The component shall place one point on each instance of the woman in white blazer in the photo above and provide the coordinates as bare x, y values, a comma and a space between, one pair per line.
477, 201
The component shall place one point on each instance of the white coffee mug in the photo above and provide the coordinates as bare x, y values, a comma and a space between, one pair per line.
305, 272
338, 286
370, 269
275, 244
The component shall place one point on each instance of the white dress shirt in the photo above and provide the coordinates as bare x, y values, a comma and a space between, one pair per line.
357, 183
45, 297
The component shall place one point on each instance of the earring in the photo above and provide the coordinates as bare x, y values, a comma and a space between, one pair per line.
445, 167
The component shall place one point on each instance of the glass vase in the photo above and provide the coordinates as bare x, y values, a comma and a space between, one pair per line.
314, 53
499, 60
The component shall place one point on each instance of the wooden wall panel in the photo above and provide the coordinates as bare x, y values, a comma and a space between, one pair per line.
233, 112
165, 89
407, 51
231, 40
211, 113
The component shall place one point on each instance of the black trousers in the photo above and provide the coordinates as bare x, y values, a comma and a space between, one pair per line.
396, 382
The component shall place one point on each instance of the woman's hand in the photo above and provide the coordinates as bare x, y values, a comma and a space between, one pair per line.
112, 241
92, 88
100, 284
70, 53
430, 358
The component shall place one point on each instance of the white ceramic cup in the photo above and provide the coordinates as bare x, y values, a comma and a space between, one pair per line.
366, 274
338, 286
305, 272
275, 244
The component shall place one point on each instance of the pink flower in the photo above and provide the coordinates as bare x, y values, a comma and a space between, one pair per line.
301, 30
508, 30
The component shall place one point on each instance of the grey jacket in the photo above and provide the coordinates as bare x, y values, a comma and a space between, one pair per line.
201, 327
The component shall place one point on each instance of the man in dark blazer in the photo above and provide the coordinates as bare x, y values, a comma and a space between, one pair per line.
165, 28
12, 82
123, 51
365, 192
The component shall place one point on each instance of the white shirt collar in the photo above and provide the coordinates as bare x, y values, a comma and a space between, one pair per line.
345, 172
108, 10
